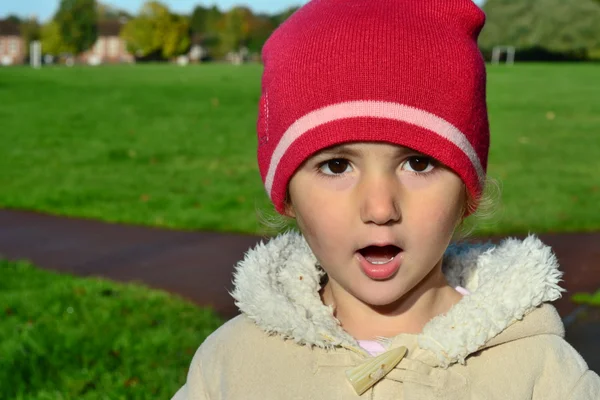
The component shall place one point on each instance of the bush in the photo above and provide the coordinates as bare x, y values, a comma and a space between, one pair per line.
537, 54
587, 298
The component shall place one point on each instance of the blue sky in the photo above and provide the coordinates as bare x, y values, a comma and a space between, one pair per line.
44, 9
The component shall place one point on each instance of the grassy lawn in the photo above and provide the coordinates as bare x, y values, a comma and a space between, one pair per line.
592, 299
169, 146
71, 338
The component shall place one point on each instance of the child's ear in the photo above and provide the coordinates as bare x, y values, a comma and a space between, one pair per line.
289, 210
288, 207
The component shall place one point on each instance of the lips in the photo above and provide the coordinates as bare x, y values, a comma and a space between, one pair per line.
380, 262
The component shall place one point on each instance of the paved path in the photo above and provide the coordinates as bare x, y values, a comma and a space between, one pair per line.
198, 265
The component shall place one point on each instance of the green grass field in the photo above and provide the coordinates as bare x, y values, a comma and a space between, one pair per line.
169, 146
71, 338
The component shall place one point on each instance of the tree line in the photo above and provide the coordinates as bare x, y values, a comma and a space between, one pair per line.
569, 29
155, 32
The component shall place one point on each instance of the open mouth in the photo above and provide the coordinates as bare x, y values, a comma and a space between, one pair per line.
380, 255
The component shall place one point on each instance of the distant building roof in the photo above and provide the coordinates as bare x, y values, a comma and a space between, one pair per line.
109, 28
9, 28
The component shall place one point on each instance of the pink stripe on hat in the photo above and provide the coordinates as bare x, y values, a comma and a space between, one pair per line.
373, 109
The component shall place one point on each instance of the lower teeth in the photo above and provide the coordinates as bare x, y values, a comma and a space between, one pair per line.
379, 262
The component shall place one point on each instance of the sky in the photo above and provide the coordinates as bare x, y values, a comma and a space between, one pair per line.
44, 9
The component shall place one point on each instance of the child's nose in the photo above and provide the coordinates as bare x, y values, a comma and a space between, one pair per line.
380, 200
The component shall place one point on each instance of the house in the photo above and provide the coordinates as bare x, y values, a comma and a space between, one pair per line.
109, 47
12, 46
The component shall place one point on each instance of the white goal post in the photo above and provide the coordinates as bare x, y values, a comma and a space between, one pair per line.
497, 53
35, 54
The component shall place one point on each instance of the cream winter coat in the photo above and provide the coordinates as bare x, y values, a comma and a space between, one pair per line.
501, 342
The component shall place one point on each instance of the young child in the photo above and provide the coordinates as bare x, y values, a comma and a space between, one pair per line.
373, 134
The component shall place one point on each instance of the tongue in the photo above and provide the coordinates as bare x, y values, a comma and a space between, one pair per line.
374, 254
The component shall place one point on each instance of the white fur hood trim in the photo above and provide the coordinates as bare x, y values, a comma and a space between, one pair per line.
277, 285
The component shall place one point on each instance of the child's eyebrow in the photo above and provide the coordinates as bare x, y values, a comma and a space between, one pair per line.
341, 151
348, 151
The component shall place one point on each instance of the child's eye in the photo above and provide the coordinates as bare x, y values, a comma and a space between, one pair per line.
419, 164
336, 166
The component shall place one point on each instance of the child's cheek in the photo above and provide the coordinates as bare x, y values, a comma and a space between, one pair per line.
434, 198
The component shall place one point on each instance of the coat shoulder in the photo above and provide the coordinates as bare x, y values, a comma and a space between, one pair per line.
542, 366
239, 333
555, 352
561, 368
240, 358
221, 353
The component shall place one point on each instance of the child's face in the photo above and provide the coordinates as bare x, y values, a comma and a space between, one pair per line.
350, 197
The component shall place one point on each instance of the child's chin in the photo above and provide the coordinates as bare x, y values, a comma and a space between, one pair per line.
381, 298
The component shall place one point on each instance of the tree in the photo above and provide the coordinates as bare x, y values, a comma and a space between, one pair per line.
106, 12
214, 19
221, 33
13, 19
554, 25
261, 27
206, 25
236, 29
156, 31
30, 31
177, 38
278, 19
77, 22
199, 20
52, 42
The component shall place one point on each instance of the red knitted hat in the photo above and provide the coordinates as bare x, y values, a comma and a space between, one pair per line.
406, 72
